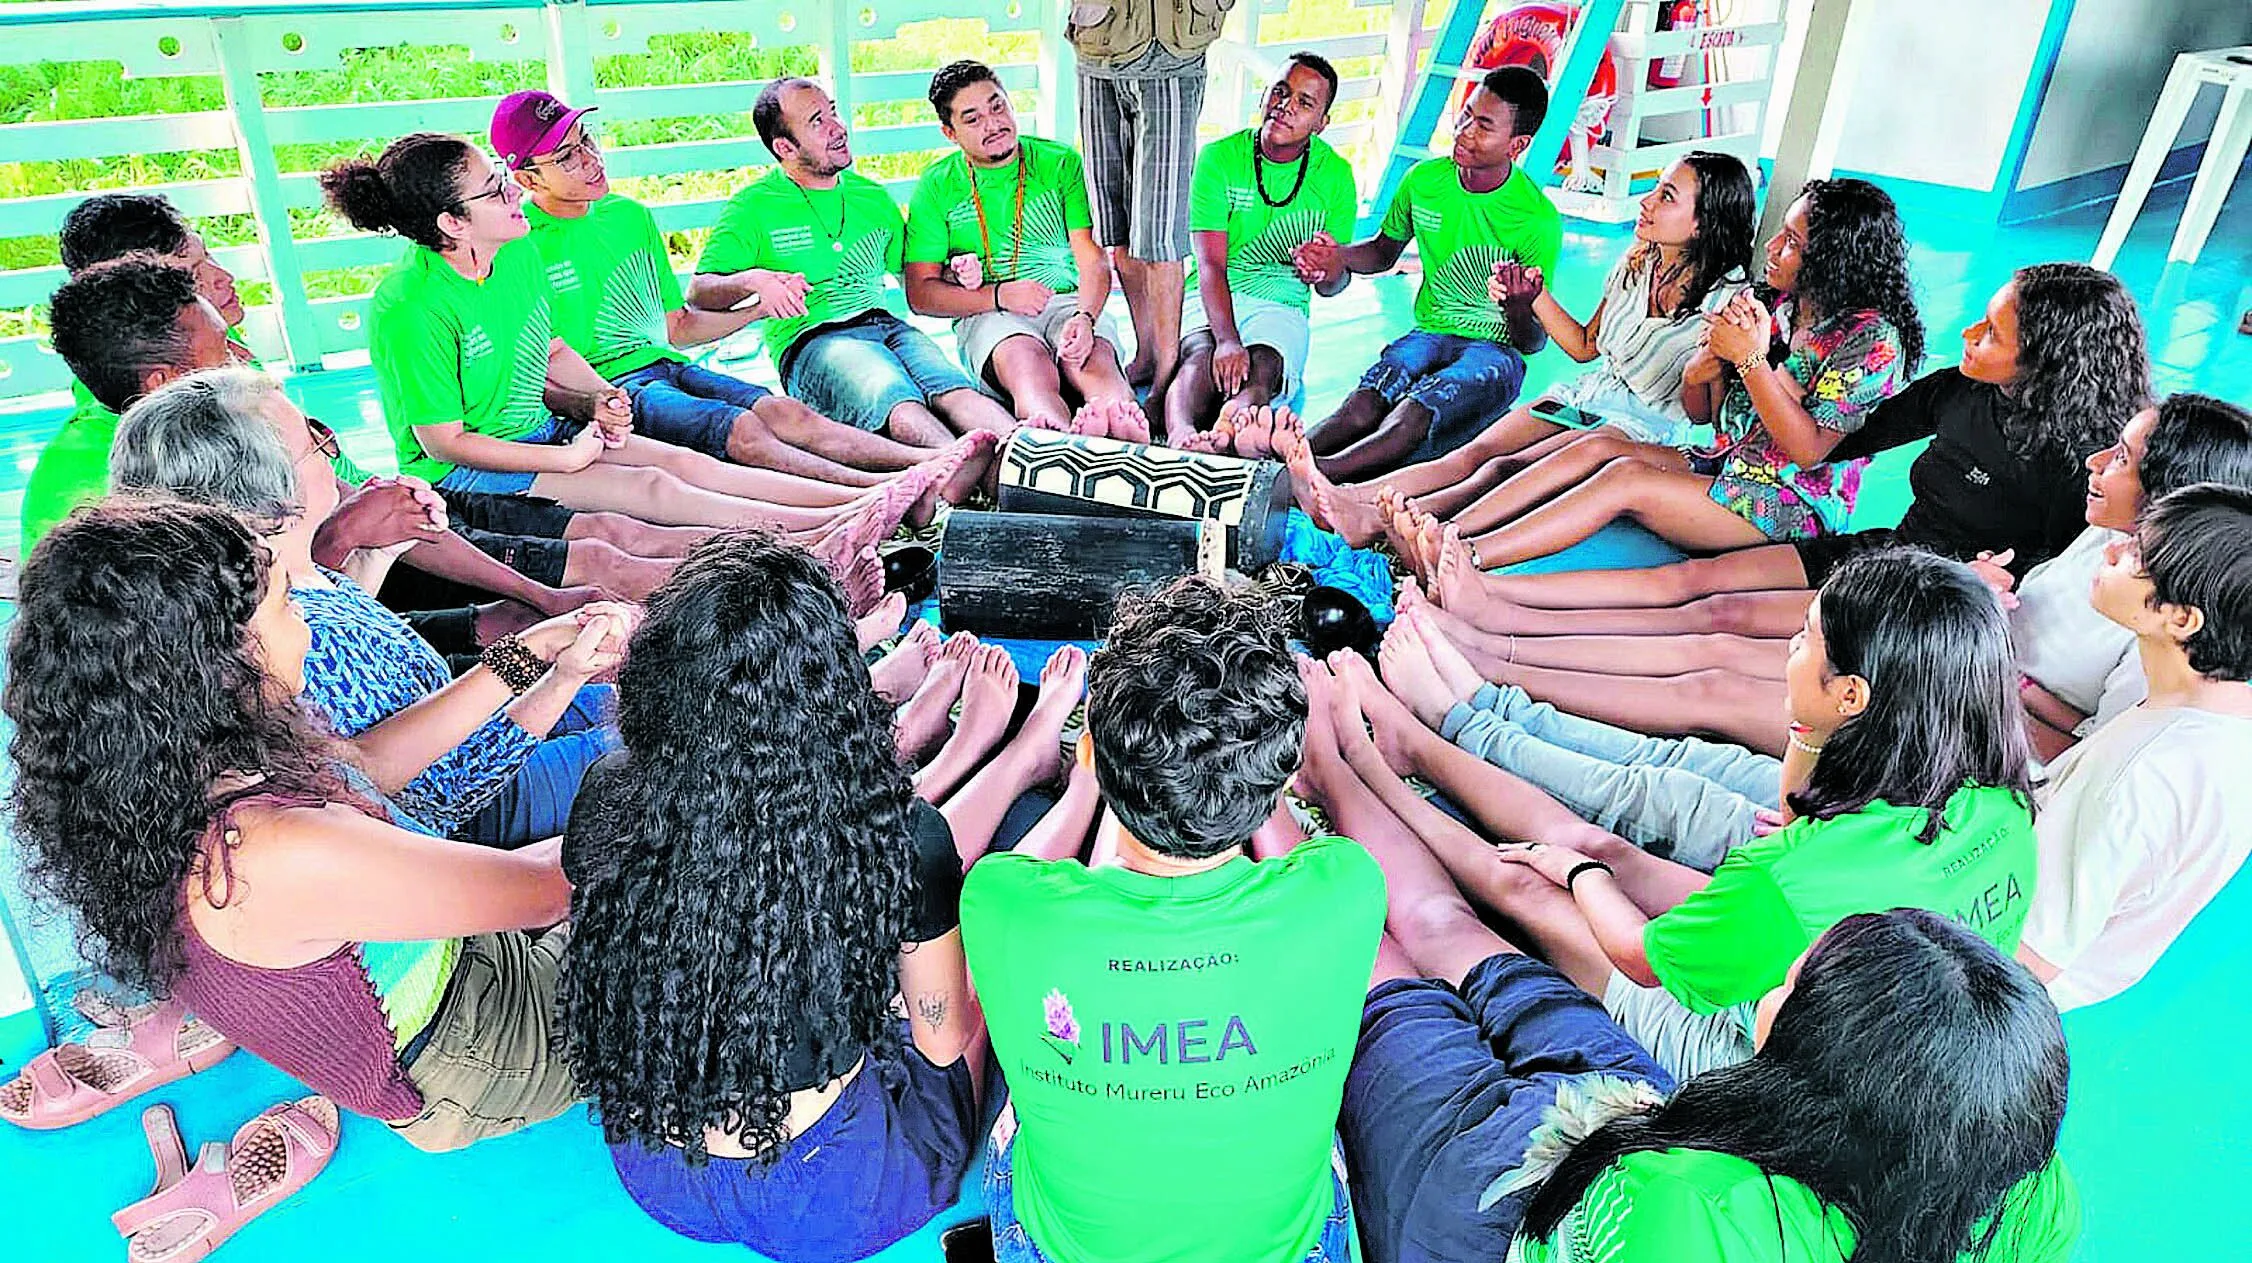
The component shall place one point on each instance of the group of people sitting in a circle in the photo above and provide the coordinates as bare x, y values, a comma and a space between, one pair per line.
585, 759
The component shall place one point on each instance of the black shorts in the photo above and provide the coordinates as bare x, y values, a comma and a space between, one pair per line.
508, 515
1823, 554
452, 632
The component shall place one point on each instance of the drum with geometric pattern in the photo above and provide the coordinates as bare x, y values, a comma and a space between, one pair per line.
1044, 471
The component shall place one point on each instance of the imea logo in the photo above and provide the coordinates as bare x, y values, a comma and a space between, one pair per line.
1183, 1043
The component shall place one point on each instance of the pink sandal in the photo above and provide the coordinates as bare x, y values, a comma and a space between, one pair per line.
192, 1211
71, 1083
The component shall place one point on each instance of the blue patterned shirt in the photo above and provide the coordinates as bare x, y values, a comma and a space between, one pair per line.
366, 664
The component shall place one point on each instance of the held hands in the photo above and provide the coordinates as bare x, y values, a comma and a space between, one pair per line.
1024, 297
1078, 341
1231, 366
585, 642
613, 416
1738, 331
1514, 284
1317, 261
967, 270
781, 295
585, 448
389, 513
1549, 860
1992, 569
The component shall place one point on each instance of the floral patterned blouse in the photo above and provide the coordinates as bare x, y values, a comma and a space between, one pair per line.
1849, 363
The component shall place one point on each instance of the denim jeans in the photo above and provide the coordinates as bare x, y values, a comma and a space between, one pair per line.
1012, 1244
536, 803
679, 403
509, 482
1465, 382
858, 373
1683, 799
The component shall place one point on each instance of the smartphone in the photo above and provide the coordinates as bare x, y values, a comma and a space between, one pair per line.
970, 1242
1563, 414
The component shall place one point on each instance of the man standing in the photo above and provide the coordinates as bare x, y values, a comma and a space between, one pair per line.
617, 302
999, 238
1141, 87
807, 248
1258, 197
1463, 363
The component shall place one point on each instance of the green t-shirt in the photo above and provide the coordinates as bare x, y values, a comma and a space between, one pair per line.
447, 349
774, 223
1224, 197
942, 216
610, 283
1696, 1206
1461, 235
1734, 941
1175, 1047
72, 469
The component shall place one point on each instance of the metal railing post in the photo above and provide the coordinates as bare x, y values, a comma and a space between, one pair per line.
570, 59
1058, 114
253, 142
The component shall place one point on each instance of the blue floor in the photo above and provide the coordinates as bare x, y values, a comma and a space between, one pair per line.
2155, 1135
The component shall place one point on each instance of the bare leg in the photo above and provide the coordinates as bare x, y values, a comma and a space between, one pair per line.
1277, 835
765, 486
1355, 419
989, 697
601, 564
1062, 833
1154, 290
1677, 507
1395, 438
1744, 709
898, 674
924, 721
1100, 377
633, 536
1032, 757
967, 410
1608, 654
751, 442
1449, 501
1025, 370
1570, 465
1192, 398
801, 427
656, 496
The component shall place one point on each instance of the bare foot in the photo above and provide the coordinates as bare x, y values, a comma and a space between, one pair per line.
1409, 675
1398, 523
989, 698
881, 622
1456, 582
870, 525
1063, 681
897, 674
1255, 433
861, 574
1208, 441
1345, 511
1455, 672
962, 464
1128, 423
923, 720
1090, 421
1396, 729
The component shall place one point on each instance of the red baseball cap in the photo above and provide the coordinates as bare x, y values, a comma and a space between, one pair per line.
531, 122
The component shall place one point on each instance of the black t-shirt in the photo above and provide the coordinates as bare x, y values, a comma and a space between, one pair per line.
937, 896
1972, 493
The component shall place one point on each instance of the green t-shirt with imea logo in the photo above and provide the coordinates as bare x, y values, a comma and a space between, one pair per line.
446, 349
844, 241
1186, 1038
611, 283
1733, 941
1461, 235
942, 216
1225, 196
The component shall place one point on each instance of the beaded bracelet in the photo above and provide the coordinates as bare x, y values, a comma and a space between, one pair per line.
514, 662
1585, 866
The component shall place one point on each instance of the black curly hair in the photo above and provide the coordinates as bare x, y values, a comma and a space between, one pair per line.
116, 321
951, 79
2196, 549
744, 878
2083, 363
404, 189
1857, 260
110, 225
1914, 1076
135, 689
1198, 715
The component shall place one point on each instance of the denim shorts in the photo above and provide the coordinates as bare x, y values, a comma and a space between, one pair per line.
505, 482
1013, 1244
679, 403
1446, 1090
858, 372
885, 1159
1465, 382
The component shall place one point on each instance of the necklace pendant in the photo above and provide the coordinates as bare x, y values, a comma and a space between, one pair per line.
837, 246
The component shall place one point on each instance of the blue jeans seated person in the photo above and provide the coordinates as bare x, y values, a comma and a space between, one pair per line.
536, 803
1448, 1091
858, 371
680, 403
1465, 382
509, 482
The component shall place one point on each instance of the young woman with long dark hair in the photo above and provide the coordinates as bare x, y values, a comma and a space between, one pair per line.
2057, 363
1844, 322
1691, 256
218, 847
1903, 1107
756, 884
1906, 785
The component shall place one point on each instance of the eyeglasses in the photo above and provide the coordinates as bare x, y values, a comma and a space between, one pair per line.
587, 148
325, 443
499, 188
